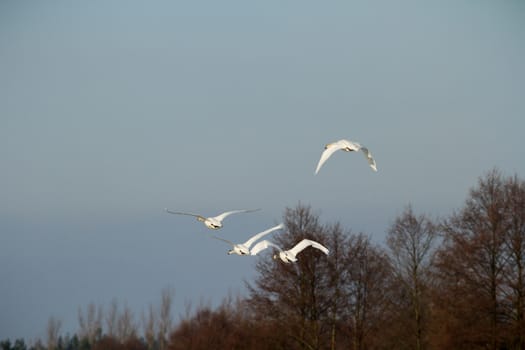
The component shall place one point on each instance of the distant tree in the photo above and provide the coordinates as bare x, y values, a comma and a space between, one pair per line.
5, 344
38, 345
296, 296
111, 343
227, 327
367, 289
470, 267
19, 344
112, 318
126, 325
338, 279
149, 327
514, 276
165, 320
410, 240
53, 330
74, 343
90, 323
134, 343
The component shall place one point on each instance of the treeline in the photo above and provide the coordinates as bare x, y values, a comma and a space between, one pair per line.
449, 283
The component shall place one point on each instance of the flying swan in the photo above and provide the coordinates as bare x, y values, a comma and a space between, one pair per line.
214, 222
244, 248
290, 255
347, 146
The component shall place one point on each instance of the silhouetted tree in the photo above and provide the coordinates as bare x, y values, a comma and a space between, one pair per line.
53, 330
112, 319
126, 325
5, 344
90, 323
410, 240
295, 296
165, 321
514, 276
333, 301
471, 265
338, 278
367, 290
149, 326
227, 327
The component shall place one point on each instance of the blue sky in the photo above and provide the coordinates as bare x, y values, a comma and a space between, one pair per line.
112, 111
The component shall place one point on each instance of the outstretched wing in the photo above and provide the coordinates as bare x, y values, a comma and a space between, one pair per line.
200, 217
224, 240
305, 243
369, 157
329, 150
263, 245
351, 145
225, 214
249, 242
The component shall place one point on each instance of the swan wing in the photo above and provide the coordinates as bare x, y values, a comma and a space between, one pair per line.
224, 240
369, 158
305, 243
249, 242
202, 218
329, 150
263, 245
221, 217
354, 146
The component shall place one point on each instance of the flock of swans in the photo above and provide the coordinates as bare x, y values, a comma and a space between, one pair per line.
288, 256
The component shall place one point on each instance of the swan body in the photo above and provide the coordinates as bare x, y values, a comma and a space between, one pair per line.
244, 248
289, 256
347, 146
214, 222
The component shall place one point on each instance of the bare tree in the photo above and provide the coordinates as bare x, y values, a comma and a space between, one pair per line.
53, 330
91, 323
366, 289
471, 265
165, 320
149, 325
126, 326
338, 277
111, 318
295, 296
515, 246
410, 239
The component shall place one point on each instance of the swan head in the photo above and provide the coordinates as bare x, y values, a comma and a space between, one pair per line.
328, 145
230, 252
212, 225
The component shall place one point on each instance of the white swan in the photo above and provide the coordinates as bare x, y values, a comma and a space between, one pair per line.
290, 255
347, 146
214, 222
244, 248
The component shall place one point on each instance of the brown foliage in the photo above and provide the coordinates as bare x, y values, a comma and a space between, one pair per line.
228, 327
472, 268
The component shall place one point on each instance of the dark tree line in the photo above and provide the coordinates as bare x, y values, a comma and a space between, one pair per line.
451, 283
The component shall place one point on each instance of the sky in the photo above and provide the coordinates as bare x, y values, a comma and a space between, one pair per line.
111, 111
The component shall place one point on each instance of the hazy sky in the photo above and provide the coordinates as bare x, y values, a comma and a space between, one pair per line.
111, 111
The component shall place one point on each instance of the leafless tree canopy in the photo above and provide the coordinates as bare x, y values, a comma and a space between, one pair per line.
410, 240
